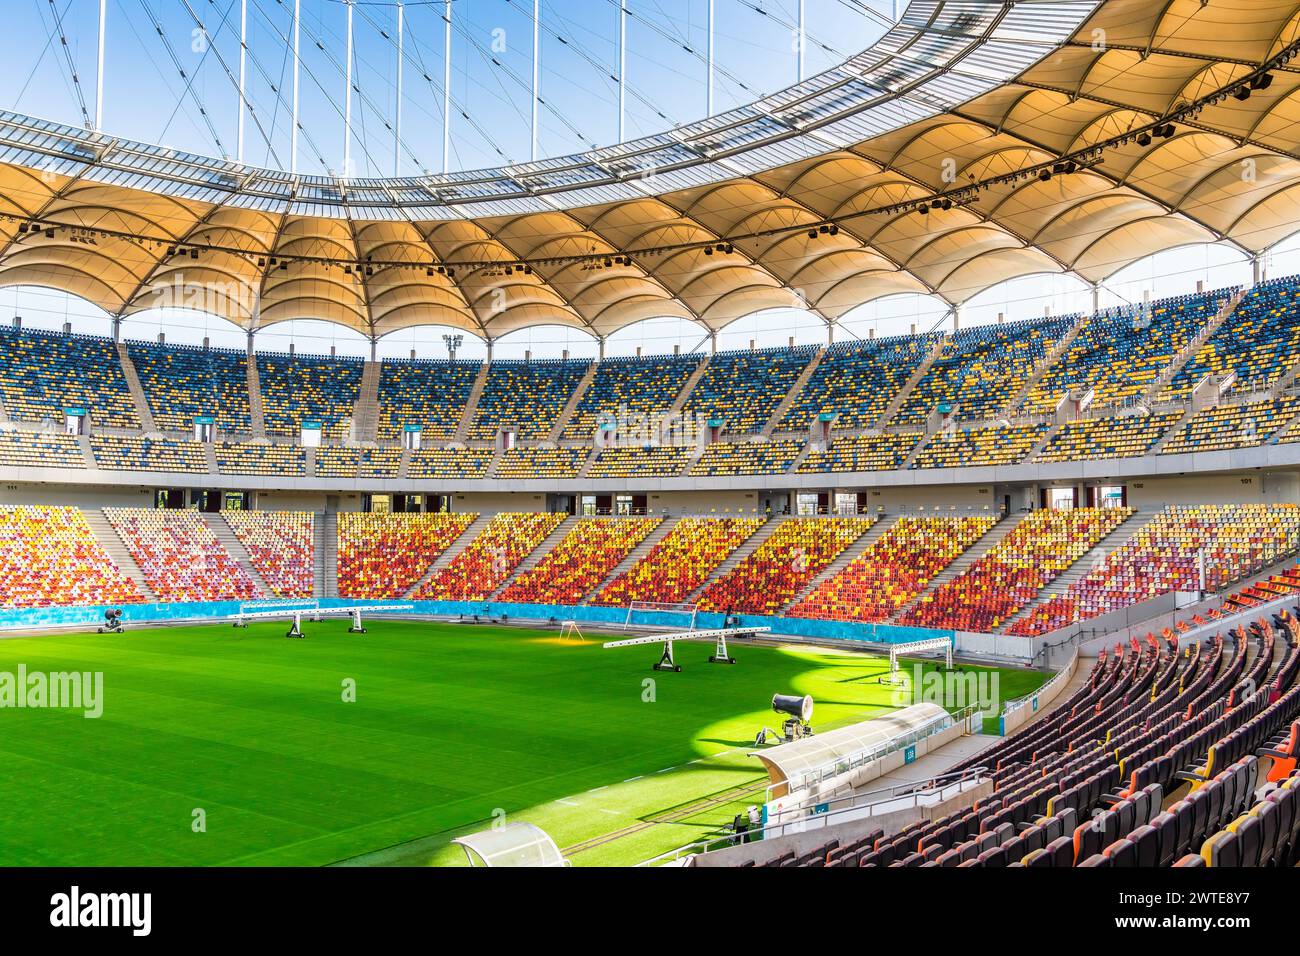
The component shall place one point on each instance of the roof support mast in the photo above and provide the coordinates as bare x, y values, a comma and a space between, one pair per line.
622, 66
800, 40
243, 75
99, 70
446, 88
347, 101
397, 127
708, 95
536, 13
293, 134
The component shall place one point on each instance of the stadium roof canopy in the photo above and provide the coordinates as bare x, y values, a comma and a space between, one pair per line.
973, 143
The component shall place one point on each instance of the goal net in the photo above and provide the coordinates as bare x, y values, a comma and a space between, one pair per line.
660, 614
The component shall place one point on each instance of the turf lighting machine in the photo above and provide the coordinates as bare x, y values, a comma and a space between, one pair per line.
799, 711
112, 622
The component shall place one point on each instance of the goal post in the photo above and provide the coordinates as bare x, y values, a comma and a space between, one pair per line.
661, 614
931, 645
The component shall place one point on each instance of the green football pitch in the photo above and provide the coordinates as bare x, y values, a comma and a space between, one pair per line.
219, 746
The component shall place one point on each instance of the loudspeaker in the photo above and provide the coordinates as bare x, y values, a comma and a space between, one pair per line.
798, 707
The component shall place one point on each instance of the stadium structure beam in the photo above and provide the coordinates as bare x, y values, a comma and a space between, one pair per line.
347, 100
708, 95
99, 69
622, 67
243, 76
397, 124
293, 133
800, 40
536, 46
446, 88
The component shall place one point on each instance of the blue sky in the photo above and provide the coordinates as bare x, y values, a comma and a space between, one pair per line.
146, 99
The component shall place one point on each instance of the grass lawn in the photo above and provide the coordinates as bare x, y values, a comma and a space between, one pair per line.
451, 725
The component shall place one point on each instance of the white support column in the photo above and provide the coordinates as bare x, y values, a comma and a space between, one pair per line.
99, 69
397, 126
293, 140
536, 47
347, 101
622, 67
708, 108
243, 75
446, 88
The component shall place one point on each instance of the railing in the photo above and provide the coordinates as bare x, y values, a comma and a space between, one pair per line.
904, 795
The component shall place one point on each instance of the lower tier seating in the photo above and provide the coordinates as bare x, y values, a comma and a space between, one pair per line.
129, 453
797, 551
1092, 438
894, 569
281, 545
682, 561
882, 452
1032, 555
40, 450
384, 555
747, 458
49, 557
179, 555
581, 561
487, 562
255, 459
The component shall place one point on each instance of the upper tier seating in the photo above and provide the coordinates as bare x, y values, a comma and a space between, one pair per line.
745, 388
333, 462
525, 396
49, 557
180, 557
1123, 437
883, 452
1231, 426
894, 569
281, 545
580, 562
637, 391
1258, 342
308, 388
40, 450
44, 373
130, 453
182, 382
679, 563
1164, 556
487, 562
995, 445
1120, 352
856, 381
981, 369
384, 555
256, 459
449, 463
561, 462
655, 461
796, 552
747, 458
431, 394
1010, 575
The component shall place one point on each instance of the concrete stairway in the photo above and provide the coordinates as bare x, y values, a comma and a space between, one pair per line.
542, 550
1171, 432
791, 396
327, 554
136, 389
87, 451
320, 554
235, 548
746, 548
636, 554
846, 557
1043, 442
116, 549
1044, 365
365, 414
1188, 351
471, 403
572, 404
963, 561
1086, 562
913, 380
680, 401
456, 547
256, 412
